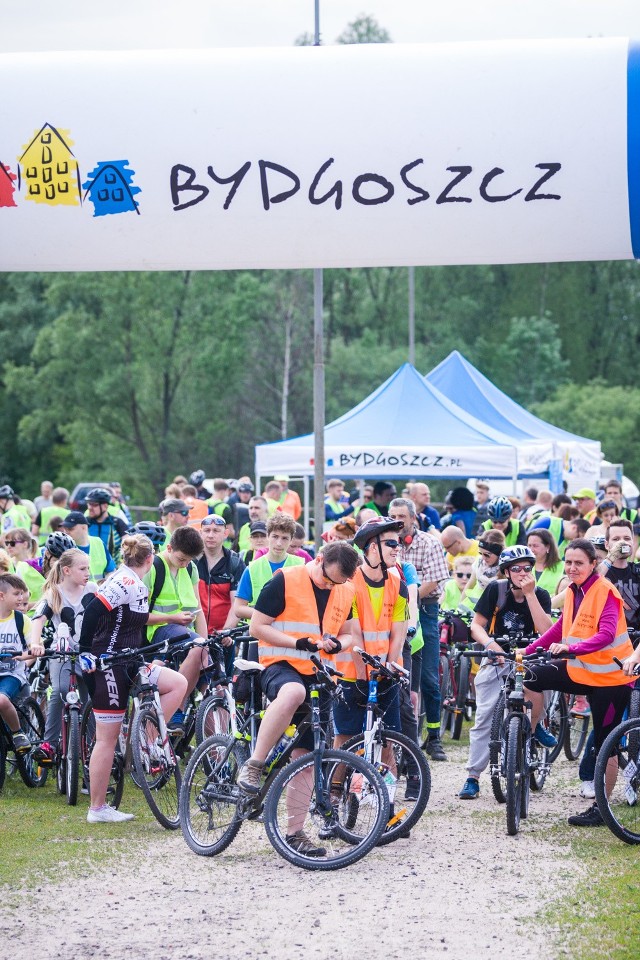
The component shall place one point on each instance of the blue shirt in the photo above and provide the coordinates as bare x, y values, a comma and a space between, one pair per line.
245, 587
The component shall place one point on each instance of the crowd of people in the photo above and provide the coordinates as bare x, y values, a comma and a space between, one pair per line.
557, 571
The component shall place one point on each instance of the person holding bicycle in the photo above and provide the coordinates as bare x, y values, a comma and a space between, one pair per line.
68, 592
302, 610
593, 629
115, 620
512, 604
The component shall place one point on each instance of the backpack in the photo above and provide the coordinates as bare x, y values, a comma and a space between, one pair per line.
19, 620
503, 589
161, 574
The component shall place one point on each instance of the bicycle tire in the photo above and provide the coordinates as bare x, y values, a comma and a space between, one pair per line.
115, 788
462, 696
407, 753
540, 757
634, 702
209, 721
576, 733
556, 723
497, 753
159, 780
515, 775
351, 833
621, 811
447, 697
209, 798
3, 756
32, 724
72, 758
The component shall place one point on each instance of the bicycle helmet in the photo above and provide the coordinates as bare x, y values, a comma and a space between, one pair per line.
373, 528
499, 509
154, 531
6, 493
513, 554
98, 495
196, 478
56, 543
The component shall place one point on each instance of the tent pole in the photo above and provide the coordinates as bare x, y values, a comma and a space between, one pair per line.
515, 473
318, 408
305, 513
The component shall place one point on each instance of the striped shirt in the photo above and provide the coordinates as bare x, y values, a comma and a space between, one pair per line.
426, 554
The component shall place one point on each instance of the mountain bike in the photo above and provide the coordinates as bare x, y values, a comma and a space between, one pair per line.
31, 724
67, 759
621, 810
344, 820
143, 742
401, 762
454, 672
215, 710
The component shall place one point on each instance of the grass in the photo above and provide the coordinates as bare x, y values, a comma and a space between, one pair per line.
43, 838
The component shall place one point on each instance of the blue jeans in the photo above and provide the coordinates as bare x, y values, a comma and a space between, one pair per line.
430, 678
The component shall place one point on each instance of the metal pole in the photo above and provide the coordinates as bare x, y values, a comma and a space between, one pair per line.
412, 316
318, 375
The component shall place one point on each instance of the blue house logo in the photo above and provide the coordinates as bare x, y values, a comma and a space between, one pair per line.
110, 188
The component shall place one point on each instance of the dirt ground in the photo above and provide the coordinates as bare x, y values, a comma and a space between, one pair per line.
459, 887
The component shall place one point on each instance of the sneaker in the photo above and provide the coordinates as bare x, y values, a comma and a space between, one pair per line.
249, 776
470, 790
300, 842
580, 707
412, 791
588, 790
21, 742
108, 814
44, 754
434, 749
545, 738
590, 818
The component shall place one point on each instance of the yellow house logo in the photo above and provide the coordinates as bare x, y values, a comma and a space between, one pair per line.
49, 169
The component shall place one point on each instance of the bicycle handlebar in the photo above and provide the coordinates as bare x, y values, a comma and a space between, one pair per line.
397, 675
324, 668
129, 653
636, 669
541, 655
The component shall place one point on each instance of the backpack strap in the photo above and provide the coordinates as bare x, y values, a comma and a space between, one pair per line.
158, 584
503, 588
19, 620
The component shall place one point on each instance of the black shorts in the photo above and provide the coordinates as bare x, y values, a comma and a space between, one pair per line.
608, 704
274, 678
111, 689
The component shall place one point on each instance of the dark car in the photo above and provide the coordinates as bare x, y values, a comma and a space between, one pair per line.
77, 499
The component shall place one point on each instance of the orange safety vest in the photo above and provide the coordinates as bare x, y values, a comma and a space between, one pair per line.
198, 510
376, 634
596, 669
290, 504
300, 618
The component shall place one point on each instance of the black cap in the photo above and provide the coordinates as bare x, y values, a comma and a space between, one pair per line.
258, 526
73, 518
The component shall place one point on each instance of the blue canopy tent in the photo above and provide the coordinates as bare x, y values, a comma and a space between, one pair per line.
577, 457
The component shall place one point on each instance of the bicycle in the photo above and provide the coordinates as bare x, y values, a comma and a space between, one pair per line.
67, 758
143, 742
217, 707
401, 761
455, 673
576, 731
345, 819
31, 724
621, 810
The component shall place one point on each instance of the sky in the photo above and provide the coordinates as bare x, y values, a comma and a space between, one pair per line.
155, 24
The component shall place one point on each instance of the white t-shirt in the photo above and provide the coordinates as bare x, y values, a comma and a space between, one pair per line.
10, 642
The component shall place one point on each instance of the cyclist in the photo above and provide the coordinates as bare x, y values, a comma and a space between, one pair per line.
300, 610
12, 513
14, 627
100, 560
21, 547
613, 491
257, 511
197, 479
41, 526
512, 604
548, 568
500, 510
219, 570
379, 627
155, 531
485, 568
102, 523
115, 619
55, 546
174, 513
257, 542
68, 592
594, 629
621, 570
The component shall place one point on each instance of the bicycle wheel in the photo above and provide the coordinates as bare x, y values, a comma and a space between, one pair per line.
447, 696
327, 831
32, 724
634, 702
621, 811
3, 756
516, 775
576, 732
115, 788
539, 764
412, 775
73, 758
209, 797
462, 696
497, 753
158, 777
556, 723
212, 718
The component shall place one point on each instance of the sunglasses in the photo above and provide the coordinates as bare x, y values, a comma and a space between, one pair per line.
336, 583
392, 544
463, 576
12, 543
212, 521
521, 568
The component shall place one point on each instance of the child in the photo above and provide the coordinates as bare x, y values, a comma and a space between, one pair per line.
14, 627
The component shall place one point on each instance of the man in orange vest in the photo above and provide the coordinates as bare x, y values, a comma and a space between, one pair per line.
302, 610
379, 627
289, 499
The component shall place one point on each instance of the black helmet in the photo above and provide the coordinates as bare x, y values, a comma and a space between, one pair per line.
196, 478
155, 531
6, 493
373, 528
98, 495
512, 554
56, 543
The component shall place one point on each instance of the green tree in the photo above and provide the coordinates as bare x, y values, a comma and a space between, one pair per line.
364, 29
